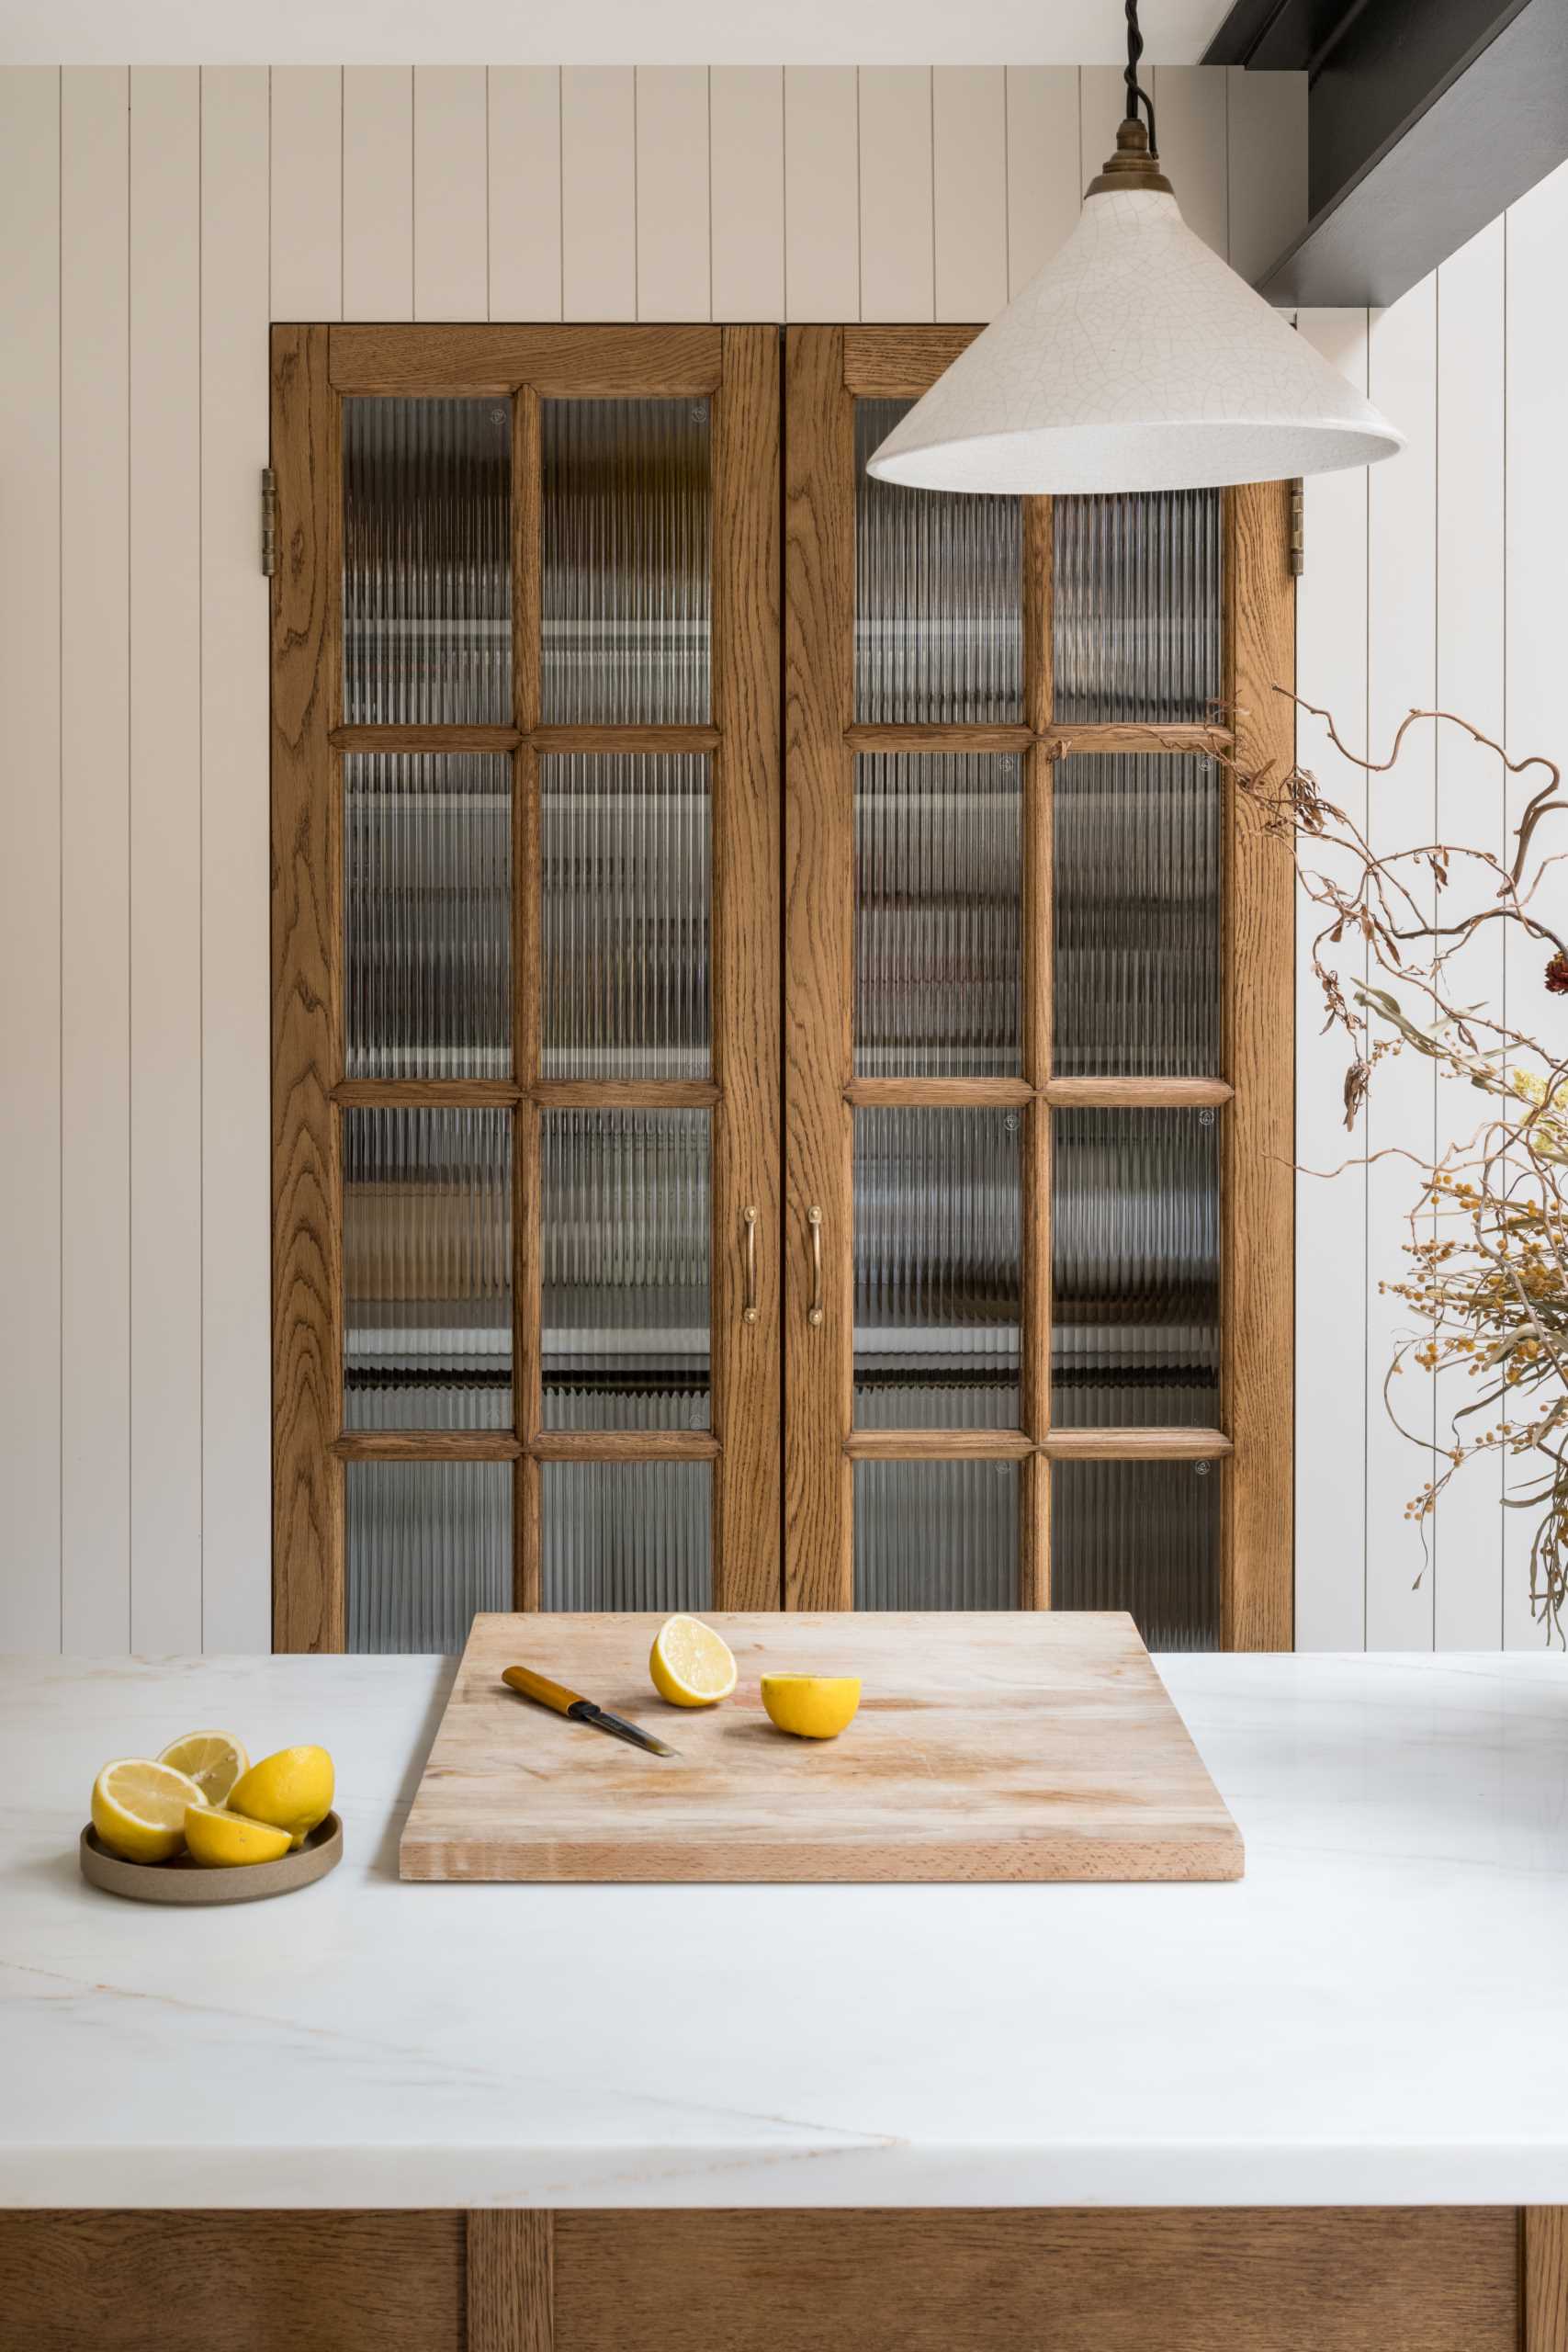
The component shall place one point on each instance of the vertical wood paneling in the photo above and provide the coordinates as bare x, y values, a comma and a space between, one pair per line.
1189, 118
30, 871
1268, 151
821, 193
1467, 1594
896, 232
378, 192
672, 277
236, 1390
969, 158
1402, 809
1331, 1216
451, 126
95, 870
165, 859
599, 191
1046, 175
1102, 99
306, 193
1537, 526
525, 192
746, 190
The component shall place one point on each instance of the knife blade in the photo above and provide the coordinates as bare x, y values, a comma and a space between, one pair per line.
579, 1709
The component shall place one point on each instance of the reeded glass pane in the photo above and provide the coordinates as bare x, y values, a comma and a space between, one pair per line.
1137, 917
623, 1208
429, 1542
627, 1535
1143, 1536
427, 1268
936, 1535
427, 910
427, 562
1137, 606
939, 595
938, 878
936, 1254
1135, 1269
627, 494
624, 915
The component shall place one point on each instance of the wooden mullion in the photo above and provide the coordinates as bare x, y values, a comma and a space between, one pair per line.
628, 739
565, 362
1180, 1444
938, 1445
623, 1446
433, 1093
424, 738
981, 1093
1138, 1093
527, 656
306, 1017
625, 1093
1180, 737
428, 1445
886, 735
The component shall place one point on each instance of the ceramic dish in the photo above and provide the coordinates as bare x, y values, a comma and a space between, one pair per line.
183, 1881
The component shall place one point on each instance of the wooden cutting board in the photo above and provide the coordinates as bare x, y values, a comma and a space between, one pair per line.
1018, 1746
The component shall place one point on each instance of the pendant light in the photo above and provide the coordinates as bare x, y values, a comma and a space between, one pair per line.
1137, 359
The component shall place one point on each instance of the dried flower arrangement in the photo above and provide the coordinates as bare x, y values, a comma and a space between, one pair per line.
1488, 1252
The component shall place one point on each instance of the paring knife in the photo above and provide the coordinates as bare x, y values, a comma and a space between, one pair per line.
583, 1711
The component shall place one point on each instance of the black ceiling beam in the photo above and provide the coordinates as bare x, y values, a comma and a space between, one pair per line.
1424, 119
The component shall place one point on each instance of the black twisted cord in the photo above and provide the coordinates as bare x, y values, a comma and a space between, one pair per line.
1135, 90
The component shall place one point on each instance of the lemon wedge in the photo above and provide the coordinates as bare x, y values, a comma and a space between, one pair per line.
690, 1665
140, 1807
292, 1790
813, 1706
223, 1840
214, 1759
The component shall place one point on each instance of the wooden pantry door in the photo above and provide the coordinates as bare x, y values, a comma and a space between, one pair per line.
526, 1022
1038, 1069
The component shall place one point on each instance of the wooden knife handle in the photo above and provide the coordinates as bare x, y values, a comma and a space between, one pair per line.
539, 1686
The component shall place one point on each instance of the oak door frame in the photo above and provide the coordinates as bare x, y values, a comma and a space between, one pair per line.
314, 367
827, 369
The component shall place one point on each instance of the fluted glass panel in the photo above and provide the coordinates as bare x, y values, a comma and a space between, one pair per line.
625, 895
427, 1268
938, 882
428, 1544
627, 498
936, 1535
624, 1213
936, 1263
1135, 1269
627, 1535
1143, 1536
427, 912
1136, 864
939, 595
427, 562
1138, 606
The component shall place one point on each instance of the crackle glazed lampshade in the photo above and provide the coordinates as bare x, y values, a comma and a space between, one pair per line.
1137, 359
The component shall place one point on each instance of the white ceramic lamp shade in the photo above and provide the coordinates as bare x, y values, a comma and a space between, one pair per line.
1135, 360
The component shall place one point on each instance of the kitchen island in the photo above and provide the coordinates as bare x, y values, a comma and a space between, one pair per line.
1325, 2104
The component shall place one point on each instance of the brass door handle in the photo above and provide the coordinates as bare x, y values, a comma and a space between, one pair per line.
814, 1312
749, 1312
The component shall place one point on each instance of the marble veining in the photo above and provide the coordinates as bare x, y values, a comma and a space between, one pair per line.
1377, 2013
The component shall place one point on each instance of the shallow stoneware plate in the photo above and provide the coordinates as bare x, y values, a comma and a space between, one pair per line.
183, 1881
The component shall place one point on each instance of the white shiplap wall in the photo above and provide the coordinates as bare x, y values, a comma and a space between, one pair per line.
156, 220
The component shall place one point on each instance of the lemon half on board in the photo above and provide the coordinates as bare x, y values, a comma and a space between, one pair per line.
690, 1665
813, 1706
140, 1807
214, 1760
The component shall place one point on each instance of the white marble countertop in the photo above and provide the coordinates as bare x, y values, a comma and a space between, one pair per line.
1377, 2014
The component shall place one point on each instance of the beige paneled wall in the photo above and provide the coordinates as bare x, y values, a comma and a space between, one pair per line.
155, 221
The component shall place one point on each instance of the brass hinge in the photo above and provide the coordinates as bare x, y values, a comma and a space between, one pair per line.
1298, 529
269, 521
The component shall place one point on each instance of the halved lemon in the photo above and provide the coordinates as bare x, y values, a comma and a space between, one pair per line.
813, 1706
139, 1809
292, 1790
690, 1665
214, 1759
223, 1840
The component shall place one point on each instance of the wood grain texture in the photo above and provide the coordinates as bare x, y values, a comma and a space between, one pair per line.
1178, 735
819, 954
747, 1361
875, 736
510, 2297
1182, 1444
938, 1445
187, 2281
449, 1093
1257, 1199
990, 1092
1543, 2250
1048, 1750
623, 1446
1440, 2280
428, 1445
571, 362
899, 363
1128, 1093
628, 1094
307, 1352
384, 740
